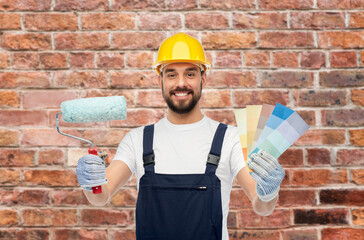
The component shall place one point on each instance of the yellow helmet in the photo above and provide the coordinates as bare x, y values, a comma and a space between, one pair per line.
181, 48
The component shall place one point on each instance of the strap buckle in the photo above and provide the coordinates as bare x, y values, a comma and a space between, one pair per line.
213, 159
148, 159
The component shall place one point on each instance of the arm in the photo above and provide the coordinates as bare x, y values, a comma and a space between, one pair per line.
117, 174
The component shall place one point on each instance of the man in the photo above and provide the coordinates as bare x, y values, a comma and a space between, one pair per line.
185, 164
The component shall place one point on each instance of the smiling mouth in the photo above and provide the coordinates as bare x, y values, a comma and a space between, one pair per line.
181, 94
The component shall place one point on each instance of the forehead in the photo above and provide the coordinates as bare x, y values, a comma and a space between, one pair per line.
179, 66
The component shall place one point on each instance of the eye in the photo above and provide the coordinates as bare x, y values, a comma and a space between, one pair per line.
171, 75
190, 74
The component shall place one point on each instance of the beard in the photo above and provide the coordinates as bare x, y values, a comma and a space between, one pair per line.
185, 106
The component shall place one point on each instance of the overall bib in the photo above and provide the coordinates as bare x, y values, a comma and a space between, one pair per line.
179, 206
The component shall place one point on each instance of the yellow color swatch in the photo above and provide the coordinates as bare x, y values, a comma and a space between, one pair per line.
241, 119
252, 114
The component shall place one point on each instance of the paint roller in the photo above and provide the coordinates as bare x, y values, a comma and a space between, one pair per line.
96, 109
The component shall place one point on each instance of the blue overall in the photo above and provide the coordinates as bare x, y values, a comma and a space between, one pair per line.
179, 206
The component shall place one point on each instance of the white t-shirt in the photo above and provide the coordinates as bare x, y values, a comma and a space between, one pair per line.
183, 149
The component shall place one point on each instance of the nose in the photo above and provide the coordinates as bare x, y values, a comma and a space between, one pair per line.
181, 81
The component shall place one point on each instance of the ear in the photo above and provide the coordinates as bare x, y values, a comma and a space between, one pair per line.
203, 79
160, 81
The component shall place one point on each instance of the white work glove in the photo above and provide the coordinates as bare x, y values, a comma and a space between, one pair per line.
91, 171
268, 174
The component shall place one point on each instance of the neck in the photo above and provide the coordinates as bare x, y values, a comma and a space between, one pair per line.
187, 118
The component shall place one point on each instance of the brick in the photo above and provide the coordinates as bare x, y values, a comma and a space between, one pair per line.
128, 94
53, 60
81, 41
8, 217
133, 79
110, 60
49, 217
51, 22
55, 178
24, 80
24, 197
223, 116
25, 60
139, 117
285, 4
228, 40
342, 233
232, 220
357, 137
31, 234
150, 99
4, 60
124, 234
294, 198
317, 20
140, 59
46, 99
313, 59
66, 197
286, 39
125, 197
350, 78
238, 199
227, 60
9, 21
347, 197
48, 137
108, 21
82, 60
343, 117
361, 58
318, 177
8, 137
73, 155
278, 219
319, 98
96, 217
308, 117
322, 137
257, 59
159, 21
262, 20
358, 216
320, 216
285, 59
229, 4
340, 39
23, 117
74, 5
92, 79
231, 79
357, 176
285, 79
138, 40
339, 4
215, 98
357, 96
51, 157
79, 234
202, 21
120, 5
27, 41
343, 59
25, 5
105, 137
350, 157
356, 20
318, 156
291, 157
298, 234
16, 157
253, 234
9, 176
9, 99
241, 98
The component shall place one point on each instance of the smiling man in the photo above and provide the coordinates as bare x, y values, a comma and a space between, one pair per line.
185, 163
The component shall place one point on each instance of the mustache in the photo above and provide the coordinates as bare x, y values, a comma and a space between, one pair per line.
179, 89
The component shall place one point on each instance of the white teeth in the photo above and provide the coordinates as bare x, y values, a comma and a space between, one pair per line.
181, 94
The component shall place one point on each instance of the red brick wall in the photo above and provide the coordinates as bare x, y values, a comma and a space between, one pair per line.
305, 54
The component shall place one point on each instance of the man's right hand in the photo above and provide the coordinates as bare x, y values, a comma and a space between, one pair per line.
91, 172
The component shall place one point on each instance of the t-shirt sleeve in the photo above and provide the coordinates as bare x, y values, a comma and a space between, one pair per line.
237, 161
125, 152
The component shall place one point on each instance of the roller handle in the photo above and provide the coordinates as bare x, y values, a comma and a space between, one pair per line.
97, 189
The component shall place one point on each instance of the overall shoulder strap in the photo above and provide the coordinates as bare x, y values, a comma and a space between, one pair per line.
213, 158
148, 154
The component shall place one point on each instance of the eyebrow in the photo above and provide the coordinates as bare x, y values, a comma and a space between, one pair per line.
188, 69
